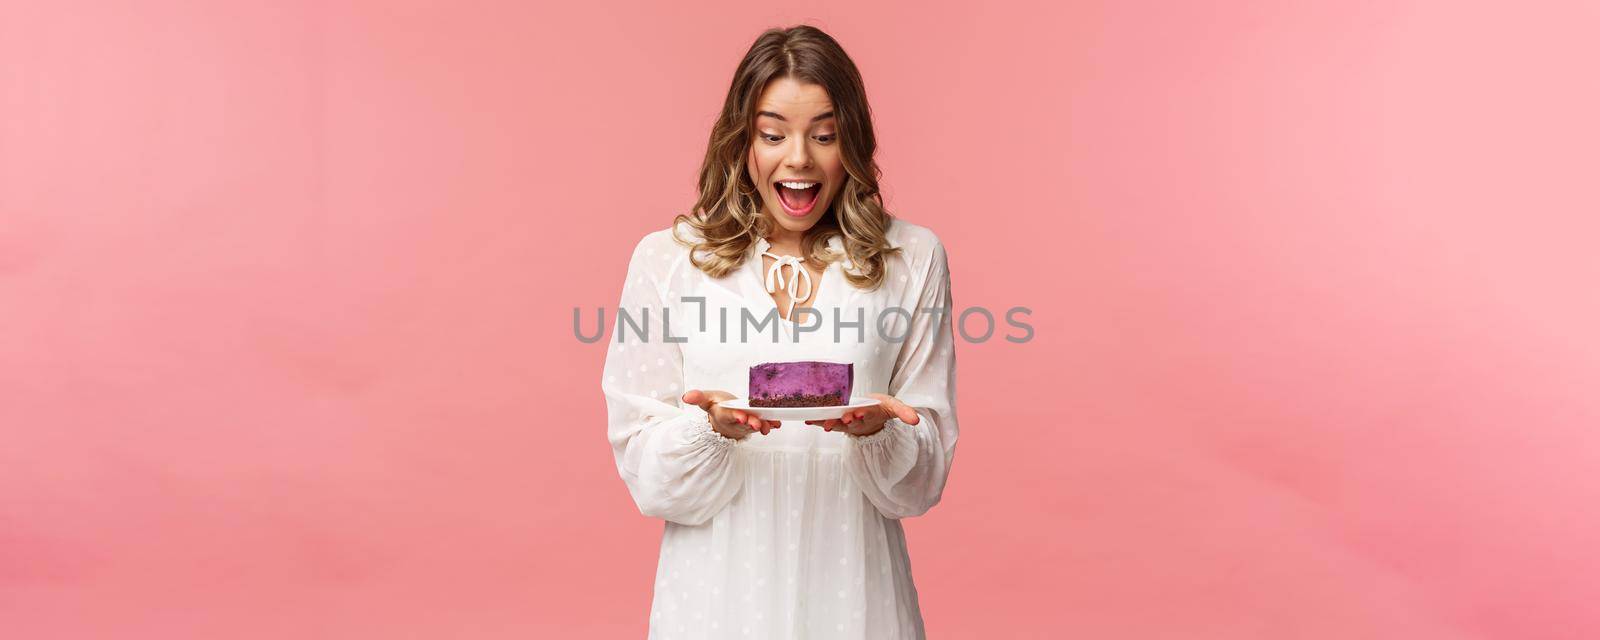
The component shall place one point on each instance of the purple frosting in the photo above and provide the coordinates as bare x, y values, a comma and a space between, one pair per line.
801, 384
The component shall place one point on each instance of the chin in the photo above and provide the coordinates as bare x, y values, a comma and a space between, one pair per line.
796, 224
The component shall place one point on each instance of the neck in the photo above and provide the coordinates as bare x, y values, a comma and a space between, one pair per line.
785, 241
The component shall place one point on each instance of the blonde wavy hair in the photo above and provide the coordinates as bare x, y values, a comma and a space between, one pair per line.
728, 216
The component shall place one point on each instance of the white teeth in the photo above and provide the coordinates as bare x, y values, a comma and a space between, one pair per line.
798, 185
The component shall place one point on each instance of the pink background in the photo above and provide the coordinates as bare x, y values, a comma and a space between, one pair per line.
286, 297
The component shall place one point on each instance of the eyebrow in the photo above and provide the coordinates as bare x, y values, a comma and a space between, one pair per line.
823, 116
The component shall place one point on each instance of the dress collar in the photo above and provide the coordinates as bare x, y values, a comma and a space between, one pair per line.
835, 244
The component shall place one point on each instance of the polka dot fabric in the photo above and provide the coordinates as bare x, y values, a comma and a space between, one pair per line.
795, 534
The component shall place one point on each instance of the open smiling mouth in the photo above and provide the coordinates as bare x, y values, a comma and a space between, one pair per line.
797, 197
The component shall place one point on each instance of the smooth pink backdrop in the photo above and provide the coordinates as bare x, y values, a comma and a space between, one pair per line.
286, 296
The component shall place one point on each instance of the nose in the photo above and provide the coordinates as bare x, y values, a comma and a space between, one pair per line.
799, 157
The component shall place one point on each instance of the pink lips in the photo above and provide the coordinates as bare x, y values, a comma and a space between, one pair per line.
799, 213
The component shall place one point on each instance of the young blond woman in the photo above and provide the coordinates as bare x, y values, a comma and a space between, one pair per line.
793, 530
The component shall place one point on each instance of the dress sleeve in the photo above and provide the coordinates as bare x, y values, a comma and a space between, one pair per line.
675, 466
902, 468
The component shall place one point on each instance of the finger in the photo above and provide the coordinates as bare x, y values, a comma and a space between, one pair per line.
905, 413
694, 396
894, 406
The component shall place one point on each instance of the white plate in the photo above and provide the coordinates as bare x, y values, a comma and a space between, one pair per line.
798, 413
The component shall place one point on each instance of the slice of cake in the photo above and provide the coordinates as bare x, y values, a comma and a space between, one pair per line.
801, 384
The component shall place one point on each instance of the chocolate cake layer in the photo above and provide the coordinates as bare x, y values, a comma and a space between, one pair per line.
830, 400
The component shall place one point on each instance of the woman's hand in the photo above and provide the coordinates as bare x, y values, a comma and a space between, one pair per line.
731, 423
870, 420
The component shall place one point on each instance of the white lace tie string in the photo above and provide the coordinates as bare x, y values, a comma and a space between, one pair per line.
797, 272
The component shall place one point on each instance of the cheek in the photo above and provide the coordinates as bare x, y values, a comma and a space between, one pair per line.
758, 165
835, 169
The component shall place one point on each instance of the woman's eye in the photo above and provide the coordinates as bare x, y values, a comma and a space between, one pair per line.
824, 139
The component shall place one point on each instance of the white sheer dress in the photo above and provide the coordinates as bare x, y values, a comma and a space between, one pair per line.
795, 534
